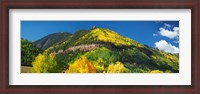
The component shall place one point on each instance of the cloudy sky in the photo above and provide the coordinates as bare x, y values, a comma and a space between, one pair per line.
163, 35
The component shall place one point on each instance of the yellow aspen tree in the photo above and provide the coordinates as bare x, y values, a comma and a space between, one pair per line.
45, 63
82, 65
117, 68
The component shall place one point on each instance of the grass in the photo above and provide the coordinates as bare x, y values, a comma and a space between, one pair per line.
26, 69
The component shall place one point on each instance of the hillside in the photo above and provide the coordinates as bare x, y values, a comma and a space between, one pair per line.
96, 36
51, 39
69, 42
104, 51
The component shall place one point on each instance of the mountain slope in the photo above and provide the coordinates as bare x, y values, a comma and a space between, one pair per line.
96, 36
106, 35
69, 42
51, 39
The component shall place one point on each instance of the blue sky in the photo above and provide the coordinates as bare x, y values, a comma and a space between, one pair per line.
163, 35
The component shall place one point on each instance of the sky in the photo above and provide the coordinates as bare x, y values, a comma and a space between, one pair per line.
163, 35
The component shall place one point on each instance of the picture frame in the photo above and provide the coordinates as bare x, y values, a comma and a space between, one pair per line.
99, 4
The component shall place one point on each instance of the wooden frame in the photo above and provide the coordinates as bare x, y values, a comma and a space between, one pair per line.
99, 4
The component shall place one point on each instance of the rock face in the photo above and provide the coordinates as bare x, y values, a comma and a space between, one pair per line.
85, 47
94, 27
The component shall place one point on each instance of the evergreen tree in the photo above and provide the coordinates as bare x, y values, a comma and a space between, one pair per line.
28, 52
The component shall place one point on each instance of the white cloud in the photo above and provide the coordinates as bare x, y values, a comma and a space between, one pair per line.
167, 47
168, 33
176, 29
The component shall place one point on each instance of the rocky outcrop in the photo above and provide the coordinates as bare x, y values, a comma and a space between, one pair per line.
85, 47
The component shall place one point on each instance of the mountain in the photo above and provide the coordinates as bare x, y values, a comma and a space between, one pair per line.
98, 36
69, 42
51, 39
105, 51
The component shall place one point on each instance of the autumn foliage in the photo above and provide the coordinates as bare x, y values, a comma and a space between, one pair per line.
117, 68
46, 64
82, 65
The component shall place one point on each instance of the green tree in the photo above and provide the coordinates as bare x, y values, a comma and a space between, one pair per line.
135, 56
136, 68
28, 52
104, 55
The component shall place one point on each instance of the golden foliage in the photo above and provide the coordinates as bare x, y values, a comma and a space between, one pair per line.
82, 65
99, 65
117, 68
156, 71
107, 35
38, 64
170, 57
45, 64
